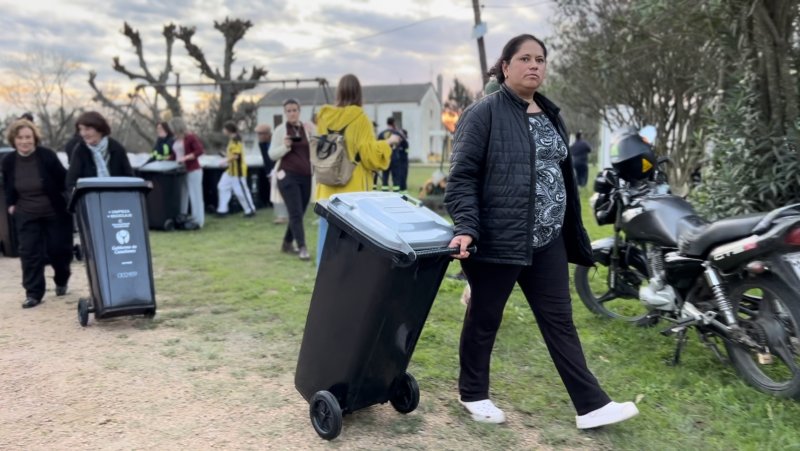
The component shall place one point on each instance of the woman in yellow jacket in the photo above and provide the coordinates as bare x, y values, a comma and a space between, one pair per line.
359, 136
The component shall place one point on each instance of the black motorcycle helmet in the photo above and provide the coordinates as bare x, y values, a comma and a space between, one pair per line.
633, 157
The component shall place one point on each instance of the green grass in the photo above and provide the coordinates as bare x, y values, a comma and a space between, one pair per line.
230, 285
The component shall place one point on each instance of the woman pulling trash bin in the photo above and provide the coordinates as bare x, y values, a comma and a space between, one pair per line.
187, 149
512, 191
99, 155
34, 186
290, 148
359, 136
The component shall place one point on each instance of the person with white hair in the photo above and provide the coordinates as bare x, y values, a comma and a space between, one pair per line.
187, 149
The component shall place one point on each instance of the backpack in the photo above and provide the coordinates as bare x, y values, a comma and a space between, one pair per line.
330, 159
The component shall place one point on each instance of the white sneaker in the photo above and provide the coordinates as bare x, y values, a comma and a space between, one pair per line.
611, 413
484, 411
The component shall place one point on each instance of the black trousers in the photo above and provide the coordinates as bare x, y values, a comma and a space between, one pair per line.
546, 287
296, 192
398, 168
581, 173
43, 241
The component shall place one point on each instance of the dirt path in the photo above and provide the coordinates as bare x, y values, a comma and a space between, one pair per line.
120, 384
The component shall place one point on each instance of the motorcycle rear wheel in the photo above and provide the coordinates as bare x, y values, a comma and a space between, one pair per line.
768, 310
622, 303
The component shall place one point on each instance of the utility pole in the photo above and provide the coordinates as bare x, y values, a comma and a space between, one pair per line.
481, 49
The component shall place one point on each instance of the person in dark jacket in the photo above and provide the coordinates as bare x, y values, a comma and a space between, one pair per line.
99, 155
33, 184
398, 168
580, 150
511, 191
162, 148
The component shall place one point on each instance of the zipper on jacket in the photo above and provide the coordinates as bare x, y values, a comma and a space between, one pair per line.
532, 203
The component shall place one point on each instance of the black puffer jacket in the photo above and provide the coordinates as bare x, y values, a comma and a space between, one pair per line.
491, 189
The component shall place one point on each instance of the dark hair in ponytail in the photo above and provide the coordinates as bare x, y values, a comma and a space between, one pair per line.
509, 50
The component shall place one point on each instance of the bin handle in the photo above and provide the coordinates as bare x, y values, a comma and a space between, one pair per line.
411, 200
444, 251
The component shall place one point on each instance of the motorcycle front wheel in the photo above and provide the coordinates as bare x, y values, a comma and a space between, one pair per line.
768, 311
594, 287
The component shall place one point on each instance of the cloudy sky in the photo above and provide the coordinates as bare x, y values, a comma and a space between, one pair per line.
381, 41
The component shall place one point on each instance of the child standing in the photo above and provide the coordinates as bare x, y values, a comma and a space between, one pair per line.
235, 177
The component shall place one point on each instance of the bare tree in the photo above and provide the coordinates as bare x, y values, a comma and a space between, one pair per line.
144, 110
233, 30
39, 83
246, 115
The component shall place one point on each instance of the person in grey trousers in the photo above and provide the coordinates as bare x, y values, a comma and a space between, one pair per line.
187, 149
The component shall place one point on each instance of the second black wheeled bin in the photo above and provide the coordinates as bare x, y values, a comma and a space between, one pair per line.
384, 258
164, 201
112, 222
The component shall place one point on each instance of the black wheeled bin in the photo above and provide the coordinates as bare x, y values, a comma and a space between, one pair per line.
112, 222
8, 232
384, 258
164, 201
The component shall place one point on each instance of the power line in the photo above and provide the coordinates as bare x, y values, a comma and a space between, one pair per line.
350, 41
517, 6
402, 27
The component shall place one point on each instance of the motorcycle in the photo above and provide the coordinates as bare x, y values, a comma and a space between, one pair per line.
734, 280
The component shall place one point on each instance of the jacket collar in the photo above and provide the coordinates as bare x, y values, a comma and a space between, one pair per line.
544, 103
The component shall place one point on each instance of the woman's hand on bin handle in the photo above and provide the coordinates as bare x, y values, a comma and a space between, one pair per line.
462, 242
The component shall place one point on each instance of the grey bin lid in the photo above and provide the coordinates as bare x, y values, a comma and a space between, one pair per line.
163, 166
89, 184
392, 220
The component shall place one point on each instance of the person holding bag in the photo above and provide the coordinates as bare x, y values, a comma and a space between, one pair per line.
363, 148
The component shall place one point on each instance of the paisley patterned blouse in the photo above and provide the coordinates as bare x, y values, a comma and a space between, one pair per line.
551, 195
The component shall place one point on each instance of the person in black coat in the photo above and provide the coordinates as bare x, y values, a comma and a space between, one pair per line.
580, 151
33, 185
512, 192
98, 155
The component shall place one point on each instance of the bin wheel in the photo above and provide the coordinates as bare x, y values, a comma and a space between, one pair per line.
169, 225
326, 415
405, 394
150, 314
76, 250
83, 312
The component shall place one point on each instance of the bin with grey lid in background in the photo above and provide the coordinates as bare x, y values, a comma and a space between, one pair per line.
112, 221
164, 201
383, 260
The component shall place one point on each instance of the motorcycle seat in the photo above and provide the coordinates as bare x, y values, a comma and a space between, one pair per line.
696, 237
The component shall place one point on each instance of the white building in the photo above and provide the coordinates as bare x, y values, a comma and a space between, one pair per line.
415, 108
